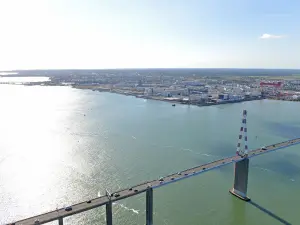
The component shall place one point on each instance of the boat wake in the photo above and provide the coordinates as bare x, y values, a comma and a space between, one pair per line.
168, 146
272, 171
126, 208
188, 150
122, 206
198, 153
264, 169
206, 154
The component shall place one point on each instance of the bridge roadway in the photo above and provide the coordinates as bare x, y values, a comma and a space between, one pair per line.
140, 188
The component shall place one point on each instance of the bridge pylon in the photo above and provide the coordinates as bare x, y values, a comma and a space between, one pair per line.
243, 135
241, 168
240, 185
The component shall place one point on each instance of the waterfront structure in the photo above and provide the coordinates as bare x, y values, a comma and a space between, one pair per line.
271, 84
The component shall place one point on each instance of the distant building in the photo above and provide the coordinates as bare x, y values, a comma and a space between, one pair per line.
175, 92
223, 96
256, 93
199, 97
271, 84
192, 83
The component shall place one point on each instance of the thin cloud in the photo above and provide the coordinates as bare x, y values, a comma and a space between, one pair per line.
271, 36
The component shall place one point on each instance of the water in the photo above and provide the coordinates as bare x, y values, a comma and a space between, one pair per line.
23, 79
60, 146
7, 73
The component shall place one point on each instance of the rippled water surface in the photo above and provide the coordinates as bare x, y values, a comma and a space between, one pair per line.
60, 146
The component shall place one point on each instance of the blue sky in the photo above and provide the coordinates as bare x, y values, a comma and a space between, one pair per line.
40, 34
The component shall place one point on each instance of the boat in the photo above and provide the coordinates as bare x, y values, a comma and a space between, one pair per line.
173, 105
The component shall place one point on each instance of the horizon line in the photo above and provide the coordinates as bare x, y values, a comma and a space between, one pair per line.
154, 68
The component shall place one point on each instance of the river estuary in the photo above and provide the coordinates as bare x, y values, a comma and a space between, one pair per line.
60, 146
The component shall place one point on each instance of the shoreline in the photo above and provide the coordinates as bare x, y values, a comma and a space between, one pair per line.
163, 99
140, 94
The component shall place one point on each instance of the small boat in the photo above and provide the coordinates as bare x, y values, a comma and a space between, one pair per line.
173, 105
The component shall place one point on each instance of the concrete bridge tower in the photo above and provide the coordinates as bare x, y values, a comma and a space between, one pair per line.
241, 168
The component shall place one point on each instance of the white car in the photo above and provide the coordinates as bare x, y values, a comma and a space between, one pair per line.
263, 148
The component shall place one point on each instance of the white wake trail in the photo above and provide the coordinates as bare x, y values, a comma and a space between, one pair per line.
126, 208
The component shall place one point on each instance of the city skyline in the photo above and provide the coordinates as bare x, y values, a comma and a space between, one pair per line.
149, 34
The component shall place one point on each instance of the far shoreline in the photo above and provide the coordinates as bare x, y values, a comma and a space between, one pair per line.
163, 99
140, 94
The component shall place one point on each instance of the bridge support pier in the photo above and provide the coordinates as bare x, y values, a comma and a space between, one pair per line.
109, 213
149, 206
241, 170
60, 221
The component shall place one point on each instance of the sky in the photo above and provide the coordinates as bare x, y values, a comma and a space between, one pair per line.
96, 34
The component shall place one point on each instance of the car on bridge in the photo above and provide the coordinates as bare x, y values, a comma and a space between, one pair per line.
69, 208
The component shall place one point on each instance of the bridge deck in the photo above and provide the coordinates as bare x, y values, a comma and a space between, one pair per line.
140, 188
